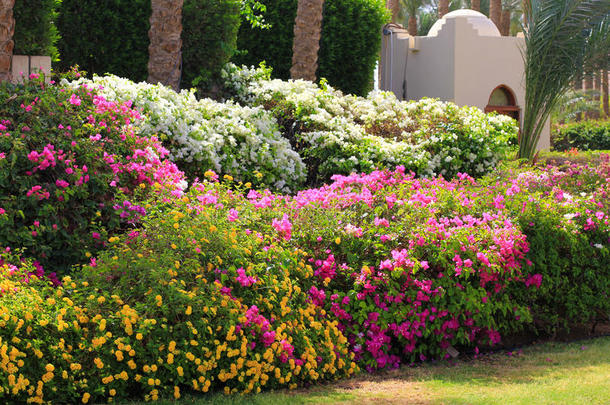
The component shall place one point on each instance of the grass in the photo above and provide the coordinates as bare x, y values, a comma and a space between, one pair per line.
550, 373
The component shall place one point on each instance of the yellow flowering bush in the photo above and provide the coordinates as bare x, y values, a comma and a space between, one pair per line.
154, 317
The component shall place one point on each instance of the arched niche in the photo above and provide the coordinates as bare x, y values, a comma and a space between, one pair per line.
502, 100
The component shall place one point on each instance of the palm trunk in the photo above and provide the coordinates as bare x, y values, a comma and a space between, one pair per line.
7, 29
475, 5
605, 100
495, 12
165, 49
443, 8
588, 80
505, 31
394, 7
307, 31
578, 82
412, 27
597, 81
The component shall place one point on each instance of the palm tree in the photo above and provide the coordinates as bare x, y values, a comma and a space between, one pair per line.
495, 12
560, 38
443, 8
165, 49
510, 8
605, 101
394, 7
307, 31
412, 7
475, 5
7, 29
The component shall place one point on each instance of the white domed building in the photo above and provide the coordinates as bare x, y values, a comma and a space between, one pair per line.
463, 59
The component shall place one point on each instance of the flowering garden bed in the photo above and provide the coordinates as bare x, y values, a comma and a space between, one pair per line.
221, 287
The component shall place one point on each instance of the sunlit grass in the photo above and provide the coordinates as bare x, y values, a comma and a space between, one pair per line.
552, 373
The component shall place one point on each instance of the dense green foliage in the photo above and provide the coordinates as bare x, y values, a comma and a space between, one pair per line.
35, 30
209, 36
349, 45
110, 38
274, 44
584, 135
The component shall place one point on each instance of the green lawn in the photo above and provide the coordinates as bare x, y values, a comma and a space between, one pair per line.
552, 373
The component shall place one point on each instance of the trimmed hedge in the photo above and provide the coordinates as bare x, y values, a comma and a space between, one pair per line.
348, 48
584, 135
35, 30
209, 37
114, 38
110, 38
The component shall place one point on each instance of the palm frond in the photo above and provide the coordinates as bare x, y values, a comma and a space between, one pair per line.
560, 37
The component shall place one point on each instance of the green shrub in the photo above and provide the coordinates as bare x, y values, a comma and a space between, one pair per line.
348, 48
35, 30
350, 43
112, 37
584, 135
209, 36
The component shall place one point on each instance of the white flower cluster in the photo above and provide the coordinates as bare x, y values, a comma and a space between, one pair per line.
204, 134
350, 133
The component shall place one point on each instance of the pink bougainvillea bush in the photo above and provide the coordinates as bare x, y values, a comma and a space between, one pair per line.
68, 159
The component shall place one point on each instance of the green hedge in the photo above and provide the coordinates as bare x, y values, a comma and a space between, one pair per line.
348, 48
209, 36
35, 30
585, 135
112, 37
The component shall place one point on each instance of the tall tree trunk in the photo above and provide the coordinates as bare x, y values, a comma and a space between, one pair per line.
588, 80
412, 27
495, 12
165, 49
7, 29
307, 31
605, 101
394, 7
526, 6
475, 5
443, 8
597, 81
505, 30
578, 82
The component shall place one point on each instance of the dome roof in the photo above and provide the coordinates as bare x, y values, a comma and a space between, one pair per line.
483, 25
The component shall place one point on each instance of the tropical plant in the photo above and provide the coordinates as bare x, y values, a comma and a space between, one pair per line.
495, 12
412, 7
307, 31
560, 37
443, 8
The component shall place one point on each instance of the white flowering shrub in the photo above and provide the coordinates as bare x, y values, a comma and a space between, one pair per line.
335, 133
244, 142
285, 134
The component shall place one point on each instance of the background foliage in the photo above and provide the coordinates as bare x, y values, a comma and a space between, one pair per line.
209, 36
584, 135
348, 48
35, 30
113, 38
